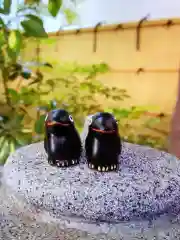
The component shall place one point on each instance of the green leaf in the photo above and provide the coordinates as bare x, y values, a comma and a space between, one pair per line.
52, 104
84, 86
26, 130
28, 99
23, 139
1, 22
12, 145
30, 2
54, 7
13, 95
2, 11
12, 55
34, 18
49, 41
33, 27
121, 113
15, 41
7, 6
29, 96
152, 122
2, 139
39, 124
2, 38
19, 118
70, 15
5, 149
103, 68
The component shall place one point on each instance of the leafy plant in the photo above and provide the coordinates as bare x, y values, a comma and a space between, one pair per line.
17, 101
137, 127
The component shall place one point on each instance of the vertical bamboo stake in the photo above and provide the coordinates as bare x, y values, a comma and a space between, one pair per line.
57, 35
138, 32
95, 36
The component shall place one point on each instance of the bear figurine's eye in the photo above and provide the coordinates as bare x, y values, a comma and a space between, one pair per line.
70, 118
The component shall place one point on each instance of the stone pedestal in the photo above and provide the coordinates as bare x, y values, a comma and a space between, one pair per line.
140, 201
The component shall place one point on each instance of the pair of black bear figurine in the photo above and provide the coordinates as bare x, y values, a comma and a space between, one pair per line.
63, 146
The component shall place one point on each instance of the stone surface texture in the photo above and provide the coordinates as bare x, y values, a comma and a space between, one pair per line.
147, 184
139, 201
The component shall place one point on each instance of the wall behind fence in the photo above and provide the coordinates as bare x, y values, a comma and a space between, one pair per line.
146, 68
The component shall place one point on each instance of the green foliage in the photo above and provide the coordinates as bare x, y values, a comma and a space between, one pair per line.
33, 27
29, 93
15, 41
81, 94
70, 15
16, 125
6, 7
13, 134
54, 7
138, 133
30, 2
49, 41
39, 124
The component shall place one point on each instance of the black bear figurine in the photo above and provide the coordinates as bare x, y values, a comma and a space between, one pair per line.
103, 143
62, 142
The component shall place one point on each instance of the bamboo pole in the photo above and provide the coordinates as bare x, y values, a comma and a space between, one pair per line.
144, 70
167, 23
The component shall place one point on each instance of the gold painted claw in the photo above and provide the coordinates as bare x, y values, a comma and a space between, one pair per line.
74, 162
107, 169
66, 163
102, 169
91, 166
60, 163
113, 167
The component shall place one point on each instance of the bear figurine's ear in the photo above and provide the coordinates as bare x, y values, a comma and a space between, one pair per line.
46, 117
85, 131
89, 120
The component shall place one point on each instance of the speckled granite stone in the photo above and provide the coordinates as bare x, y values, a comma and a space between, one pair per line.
147, 184
140, 201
